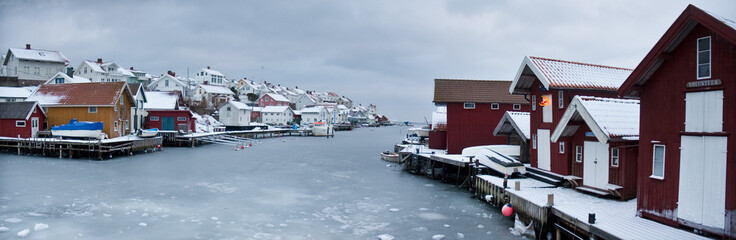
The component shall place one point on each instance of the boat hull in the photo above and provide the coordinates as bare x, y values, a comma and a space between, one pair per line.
148, 133
78, 133
323, 130
391, 157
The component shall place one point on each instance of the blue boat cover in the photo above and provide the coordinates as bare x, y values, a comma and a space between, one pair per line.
76, 125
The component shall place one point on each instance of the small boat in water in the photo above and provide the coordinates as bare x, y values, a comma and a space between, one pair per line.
322, 129
391, 157
76, 129
421, 132
144, 133
499, 158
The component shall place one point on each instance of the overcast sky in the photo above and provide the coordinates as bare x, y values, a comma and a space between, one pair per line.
382, 52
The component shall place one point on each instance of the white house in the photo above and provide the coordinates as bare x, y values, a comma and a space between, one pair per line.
168, 83
277, 115
137, 111
212, 95
14, 94
315, 114
102, 71
32, 64
210, 77
61, 78
235, 114
303, 101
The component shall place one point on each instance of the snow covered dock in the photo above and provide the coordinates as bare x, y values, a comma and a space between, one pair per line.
97, 149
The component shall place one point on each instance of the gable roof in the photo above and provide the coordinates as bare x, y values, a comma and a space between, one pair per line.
14, 92
216, 89
239, 105
277, 97
17, 110
553, 73
67, 79
607, 118
80, 94
688, 19
37, 55
94, 66
162, 100
211, 72
313, 110
514, 121
164, 77
275, 109
480, 91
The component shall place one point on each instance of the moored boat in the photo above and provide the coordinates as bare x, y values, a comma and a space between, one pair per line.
322, 129
421, 132
391, 157
499, 158
76, 129
148, 132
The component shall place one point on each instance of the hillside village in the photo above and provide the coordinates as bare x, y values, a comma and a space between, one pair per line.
209, 101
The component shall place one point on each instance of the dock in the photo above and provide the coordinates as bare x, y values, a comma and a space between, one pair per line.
70, 148
173, 138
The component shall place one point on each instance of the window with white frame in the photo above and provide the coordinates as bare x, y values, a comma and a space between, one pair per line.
127, 125
534, 141
469, 105
115, 126
562, 147
494, 106
153, 118
658, 161
20, 123
92, 110
181, 119
579, 153
560, 99
122, 101
534, 102
614, 157
704, 57
517, 106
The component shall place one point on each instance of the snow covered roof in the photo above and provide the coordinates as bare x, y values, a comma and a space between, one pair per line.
275, 109
37, 55
553, 73
514, 121
14, 92
161, 100
277, 97
94, 66
239, 105
607, 117
315, 110
177, 81
216, 89
67, 79
211, 72
17, 110
80, 94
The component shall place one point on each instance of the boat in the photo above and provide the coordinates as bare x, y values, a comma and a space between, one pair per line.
498, 158
76, 129
391, 157
322, 129
422, 132
148, 132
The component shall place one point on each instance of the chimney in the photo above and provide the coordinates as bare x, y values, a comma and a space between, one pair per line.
208, 67
205, 82
28, 46
70, 72
131, 68
173, 74
99, 61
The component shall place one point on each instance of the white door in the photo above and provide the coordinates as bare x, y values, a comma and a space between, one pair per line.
595, 164
702, 187
704, 111
543, 149
34, 127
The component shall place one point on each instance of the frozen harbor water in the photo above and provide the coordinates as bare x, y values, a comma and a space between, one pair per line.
281, 188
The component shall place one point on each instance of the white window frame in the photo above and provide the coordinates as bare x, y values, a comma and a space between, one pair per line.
496, 106
578, 153
122, 101
181, 119
654, 162
534, 102
710, 58
615, 157
92, 110
560, 99
115, 126
153, 118
469, 105
534, 141
562, 147
127, 125
20, 123
517, 106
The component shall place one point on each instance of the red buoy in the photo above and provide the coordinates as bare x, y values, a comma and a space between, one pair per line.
507, 210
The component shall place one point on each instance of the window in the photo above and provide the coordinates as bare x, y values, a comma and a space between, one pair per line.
166, 83
560, 99
704, 57
122, 101
534, 102
614, 157
494, 106
658, 162
181, 119
20, 123
127, 125
92, 110
59, 80
534, 141
85, 70
562, 147
547, 110
153, 118
116, 108
115, 125
579, 153
517, 106
469, 105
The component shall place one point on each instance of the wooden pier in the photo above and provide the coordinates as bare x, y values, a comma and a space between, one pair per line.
72, 148
173, 138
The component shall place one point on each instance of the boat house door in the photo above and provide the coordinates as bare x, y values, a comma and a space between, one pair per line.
167, 123
34, 127
543, 149
595, 164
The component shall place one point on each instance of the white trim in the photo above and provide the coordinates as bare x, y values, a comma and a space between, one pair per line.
528, 62
89, 109
534, 141
576, 106
178, 119
618, 156
497, 106
153, 118
465, 105
560, 99
654, 152
534, 102
516, 106
697, 58
578, 152
562, 147
23, 122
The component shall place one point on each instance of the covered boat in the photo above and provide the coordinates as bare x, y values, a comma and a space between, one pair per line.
152, 132
421, 132
76, 129
322, 129
497, 157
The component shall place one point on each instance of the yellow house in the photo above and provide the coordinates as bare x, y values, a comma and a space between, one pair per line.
106, 102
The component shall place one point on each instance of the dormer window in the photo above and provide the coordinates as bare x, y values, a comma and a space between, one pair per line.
704, 57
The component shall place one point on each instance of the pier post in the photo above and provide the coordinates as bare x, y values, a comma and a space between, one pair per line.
517, 185
550, 199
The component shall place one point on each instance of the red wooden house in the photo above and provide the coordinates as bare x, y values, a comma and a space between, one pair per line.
687, 87
171, 120
603, 136
21, 119
551, 84
272, 99
474, 107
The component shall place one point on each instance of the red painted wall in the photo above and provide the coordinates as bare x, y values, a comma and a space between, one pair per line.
559, 163
474, 127
8, 128
267, 100
663, 117
170, 113
438, 139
